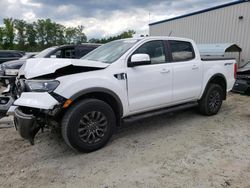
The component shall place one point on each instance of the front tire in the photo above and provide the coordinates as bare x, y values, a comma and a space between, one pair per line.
88, 125
211, 101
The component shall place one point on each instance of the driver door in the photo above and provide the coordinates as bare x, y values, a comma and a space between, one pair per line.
150, 86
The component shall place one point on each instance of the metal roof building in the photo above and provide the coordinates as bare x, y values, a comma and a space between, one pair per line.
227, 23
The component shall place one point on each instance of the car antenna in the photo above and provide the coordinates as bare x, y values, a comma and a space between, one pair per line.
170, 33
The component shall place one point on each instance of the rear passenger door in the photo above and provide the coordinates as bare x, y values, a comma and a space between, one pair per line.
187, 71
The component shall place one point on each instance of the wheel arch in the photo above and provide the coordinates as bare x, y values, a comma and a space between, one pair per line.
219, 79
103, 94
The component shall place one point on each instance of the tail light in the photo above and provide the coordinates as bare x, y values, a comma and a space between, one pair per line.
235, 70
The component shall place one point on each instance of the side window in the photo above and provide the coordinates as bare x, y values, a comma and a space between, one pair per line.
181, 51
155, 49
57, 54
69, 53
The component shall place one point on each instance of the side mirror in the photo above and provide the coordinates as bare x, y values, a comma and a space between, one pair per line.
139, 59
53, 56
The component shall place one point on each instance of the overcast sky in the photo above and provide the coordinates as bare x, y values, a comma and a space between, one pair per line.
103, 18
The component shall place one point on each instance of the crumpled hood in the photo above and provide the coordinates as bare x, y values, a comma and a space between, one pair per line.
42, 66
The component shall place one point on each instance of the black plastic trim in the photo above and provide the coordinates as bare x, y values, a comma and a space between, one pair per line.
160, 111
209, 81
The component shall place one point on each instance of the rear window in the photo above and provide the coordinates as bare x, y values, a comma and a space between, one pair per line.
181, 51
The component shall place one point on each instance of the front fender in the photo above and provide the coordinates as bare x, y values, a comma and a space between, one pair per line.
73, 85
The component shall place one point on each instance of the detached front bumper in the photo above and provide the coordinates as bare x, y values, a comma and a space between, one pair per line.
35, 110
26, 125
241, 86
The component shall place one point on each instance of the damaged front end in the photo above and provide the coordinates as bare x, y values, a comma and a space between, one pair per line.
28, 121
242, 83
35, 110
26, 124
37, 105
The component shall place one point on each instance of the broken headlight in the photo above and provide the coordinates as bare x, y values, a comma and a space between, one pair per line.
41, 85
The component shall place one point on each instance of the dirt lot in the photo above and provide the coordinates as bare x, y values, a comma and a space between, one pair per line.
183, 149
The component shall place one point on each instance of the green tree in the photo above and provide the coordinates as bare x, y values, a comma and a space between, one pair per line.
31, 35
20, 26
1, 37
75, 35
123, 35
80, 36
49, 32
41, 32
94, 40
9, 34
70, 32
127, 34
59, 34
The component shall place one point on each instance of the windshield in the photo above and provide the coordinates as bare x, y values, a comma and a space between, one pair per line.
110, 52
45, 52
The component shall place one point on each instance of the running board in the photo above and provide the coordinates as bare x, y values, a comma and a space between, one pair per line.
160, 112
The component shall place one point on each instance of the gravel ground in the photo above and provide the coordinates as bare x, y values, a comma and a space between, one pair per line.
182, 149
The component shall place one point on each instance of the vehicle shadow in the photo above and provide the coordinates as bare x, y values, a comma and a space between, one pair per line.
128, 129
155, 122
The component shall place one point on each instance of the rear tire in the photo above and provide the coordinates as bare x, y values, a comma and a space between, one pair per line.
88, 125
211, 101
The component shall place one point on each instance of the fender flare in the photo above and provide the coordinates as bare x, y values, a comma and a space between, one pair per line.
213, 77
99, 90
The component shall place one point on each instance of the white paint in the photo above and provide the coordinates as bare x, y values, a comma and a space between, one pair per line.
40, 66
41, 100
146, 88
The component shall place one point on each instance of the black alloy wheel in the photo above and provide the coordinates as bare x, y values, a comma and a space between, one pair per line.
88, 125
92, 127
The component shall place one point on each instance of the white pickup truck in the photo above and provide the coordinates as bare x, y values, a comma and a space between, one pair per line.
131, 78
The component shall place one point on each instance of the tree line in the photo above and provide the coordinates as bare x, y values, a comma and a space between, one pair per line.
125, 34
18, 34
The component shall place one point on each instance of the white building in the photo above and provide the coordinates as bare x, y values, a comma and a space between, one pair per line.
227, 23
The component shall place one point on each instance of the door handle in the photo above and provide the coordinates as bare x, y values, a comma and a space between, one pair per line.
195, 67
165, 71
